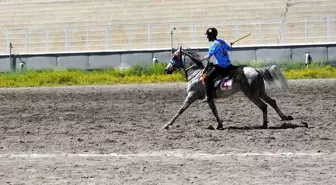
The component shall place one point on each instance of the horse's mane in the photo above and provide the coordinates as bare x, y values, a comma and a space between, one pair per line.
194, 56
192, 53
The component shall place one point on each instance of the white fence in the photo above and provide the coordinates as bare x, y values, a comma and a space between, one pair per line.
155, 36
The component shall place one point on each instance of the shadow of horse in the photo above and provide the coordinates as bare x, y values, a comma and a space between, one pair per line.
276, 127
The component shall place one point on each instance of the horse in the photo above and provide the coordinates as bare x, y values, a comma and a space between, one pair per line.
250, 81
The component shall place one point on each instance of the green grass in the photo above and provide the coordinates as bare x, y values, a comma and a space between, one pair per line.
285, 65
312, 72
59, 77
142, 74
298, 70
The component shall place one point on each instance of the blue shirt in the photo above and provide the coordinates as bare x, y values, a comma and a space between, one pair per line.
220, 49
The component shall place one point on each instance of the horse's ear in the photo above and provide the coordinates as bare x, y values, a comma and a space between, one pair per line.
180, 48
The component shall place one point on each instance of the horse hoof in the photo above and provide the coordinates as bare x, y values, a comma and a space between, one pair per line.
264, 127
166, 127
211, 127
220, 128
304, 124
290, 118
287, 118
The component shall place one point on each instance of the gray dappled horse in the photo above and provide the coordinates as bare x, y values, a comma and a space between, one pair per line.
246, 79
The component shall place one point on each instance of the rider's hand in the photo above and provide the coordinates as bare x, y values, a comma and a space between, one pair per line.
206, 57
231, 43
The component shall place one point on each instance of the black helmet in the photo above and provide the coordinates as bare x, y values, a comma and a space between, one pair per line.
212, 31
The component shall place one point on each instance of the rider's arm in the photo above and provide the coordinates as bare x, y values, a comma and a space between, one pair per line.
227, 47
213, 48
211, 52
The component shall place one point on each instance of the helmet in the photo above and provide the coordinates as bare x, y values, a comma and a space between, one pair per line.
212, 31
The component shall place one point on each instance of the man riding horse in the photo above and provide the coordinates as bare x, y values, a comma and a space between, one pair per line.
250, 81
223, 66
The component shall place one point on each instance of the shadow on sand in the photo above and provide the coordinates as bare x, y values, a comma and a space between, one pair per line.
276, 127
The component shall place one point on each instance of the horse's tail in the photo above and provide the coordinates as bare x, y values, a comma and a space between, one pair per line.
272, 74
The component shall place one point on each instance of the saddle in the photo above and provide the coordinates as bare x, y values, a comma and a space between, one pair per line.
224, 82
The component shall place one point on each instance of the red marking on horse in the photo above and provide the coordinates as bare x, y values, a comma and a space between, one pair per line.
225, 85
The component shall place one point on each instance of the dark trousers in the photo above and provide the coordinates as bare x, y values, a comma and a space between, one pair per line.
212, 74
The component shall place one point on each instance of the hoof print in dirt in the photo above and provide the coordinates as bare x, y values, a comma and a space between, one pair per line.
80, 139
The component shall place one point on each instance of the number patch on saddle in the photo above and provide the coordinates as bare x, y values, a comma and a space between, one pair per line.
226, 85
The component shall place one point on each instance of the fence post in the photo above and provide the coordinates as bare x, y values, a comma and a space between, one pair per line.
7, 40
329, 29
107, 37
27, 41
150, 35
87, 37
193, 33
306, 29
259, 32
47, 39
66, 39
282, 31
129, 38
172, 28
237, 32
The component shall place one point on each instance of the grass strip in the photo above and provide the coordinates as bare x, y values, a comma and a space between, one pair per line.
142, 74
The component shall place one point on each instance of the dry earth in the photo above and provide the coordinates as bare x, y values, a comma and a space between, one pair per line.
113, 135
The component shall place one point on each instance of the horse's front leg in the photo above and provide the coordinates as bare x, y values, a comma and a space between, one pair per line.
187, 102
215, 112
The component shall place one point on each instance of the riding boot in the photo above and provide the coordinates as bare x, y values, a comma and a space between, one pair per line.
208, 86
208, 91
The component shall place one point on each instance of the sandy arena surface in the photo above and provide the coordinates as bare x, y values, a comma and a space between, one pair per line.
113, 135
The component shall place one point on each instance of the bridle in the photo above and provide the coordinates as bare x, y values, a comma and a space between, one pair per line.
182, 61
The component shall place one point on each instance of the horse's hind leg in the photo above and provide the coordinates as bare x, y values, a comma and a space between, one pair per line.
269, 100
187, 102
215, 113
256, 100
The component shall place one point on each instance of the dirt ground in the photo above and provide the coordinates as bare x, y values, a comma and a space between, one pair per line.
113, 135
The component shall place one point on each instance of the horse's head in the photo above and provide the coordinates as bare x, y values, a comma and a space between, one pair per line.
175, 62
190, 61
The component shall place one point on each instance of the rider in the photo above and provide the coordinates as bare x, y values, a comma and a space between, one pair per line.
223, 65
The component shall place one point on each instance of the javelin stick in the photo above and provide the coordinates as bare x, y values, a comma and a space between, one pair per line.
240, 38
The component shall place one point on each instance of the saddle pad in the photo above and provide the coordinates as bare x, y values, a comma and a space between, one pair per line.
226, 84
